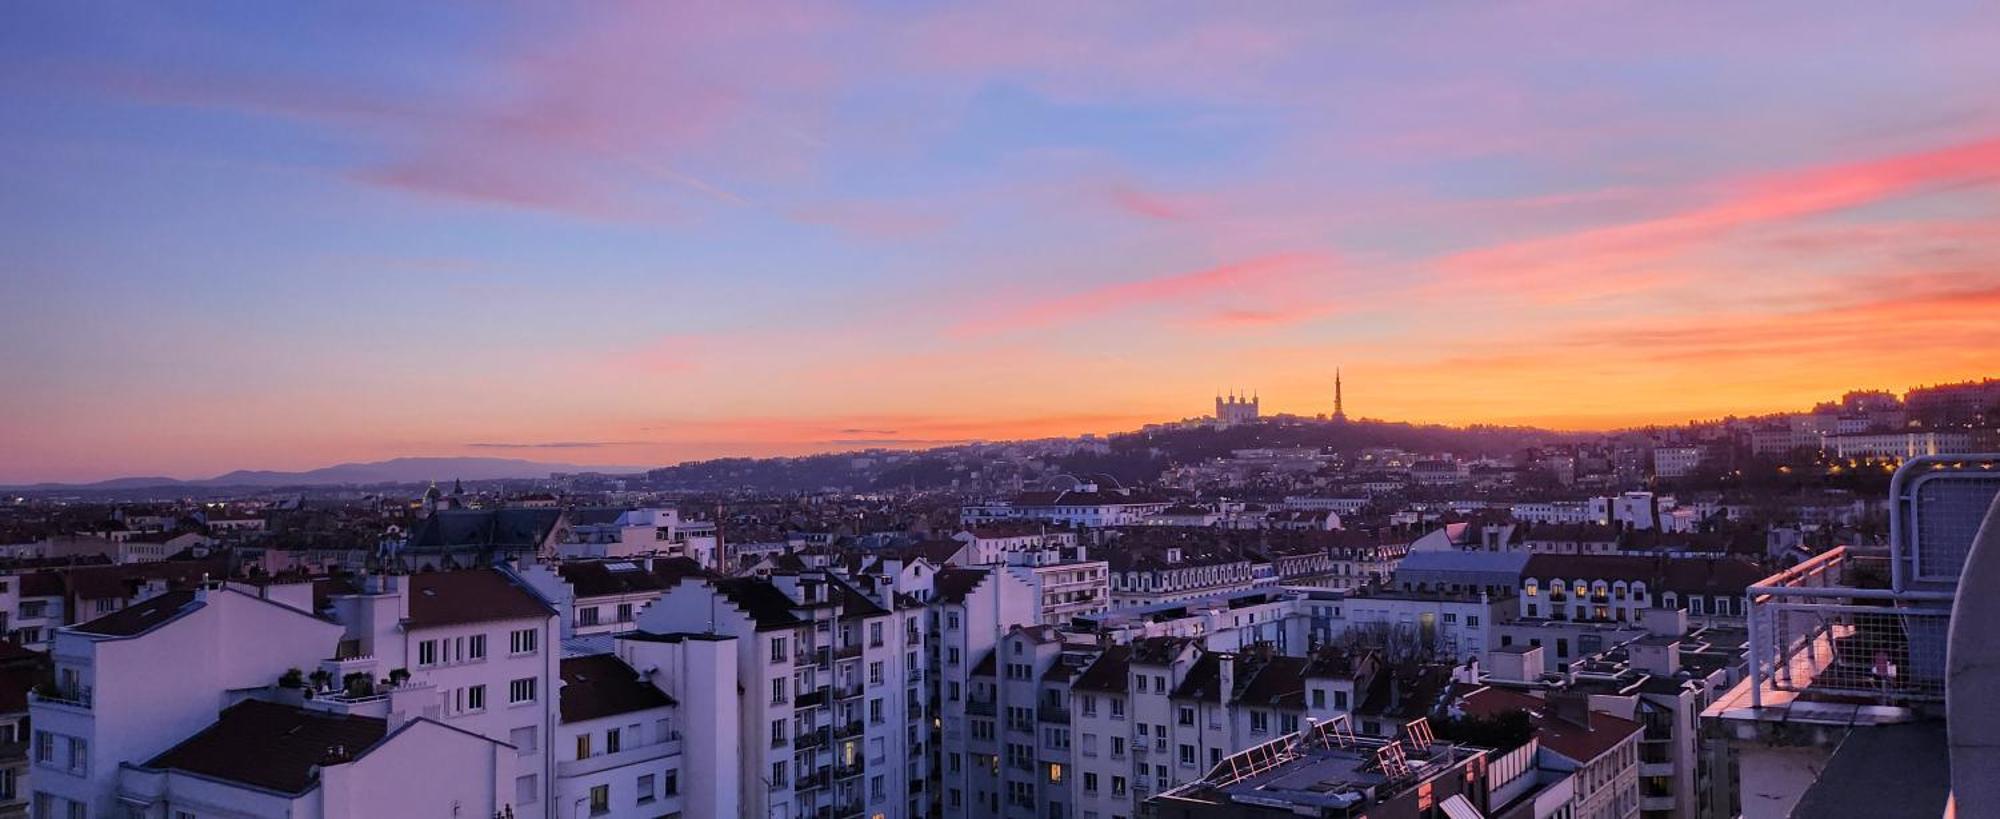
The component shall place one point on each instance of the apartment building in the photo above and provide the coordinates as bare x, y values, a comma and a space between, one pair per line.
110, 704
832, 700
1067, 584
433, 694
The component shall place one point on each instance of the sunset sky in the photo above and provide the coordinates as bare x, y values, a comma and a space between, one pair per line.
272, 236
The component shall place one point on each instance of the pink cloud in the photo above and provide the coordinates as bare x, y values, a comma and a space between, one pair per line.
1148, 205
1556, 262
1254, 276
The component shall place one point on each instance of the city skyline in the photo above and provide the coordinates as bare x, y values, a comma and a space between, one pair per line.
650, 235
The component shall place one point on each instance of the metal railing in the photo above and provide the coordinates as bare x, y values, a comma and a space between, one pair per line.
1871, 623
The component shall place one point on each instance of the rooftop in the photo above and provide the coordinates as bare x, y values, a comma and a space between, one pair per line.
602, 685
471, 596
272, 746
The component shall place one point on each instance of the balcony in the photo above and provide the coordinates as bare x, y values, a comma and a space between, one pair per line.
848, 691
77, 698
852, 729
811, 699
807, 782
808, 741
848, 652
848, 771
1053, 713
849, 810
982, 708
1831, 627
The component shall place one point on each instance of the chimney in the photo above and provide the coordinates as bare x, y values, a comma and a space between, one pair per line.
1570, 707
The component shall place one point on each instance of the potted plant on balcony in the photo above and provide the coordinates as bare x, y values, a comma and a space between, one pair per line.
357, 685
322, 679
292, 687
399, 676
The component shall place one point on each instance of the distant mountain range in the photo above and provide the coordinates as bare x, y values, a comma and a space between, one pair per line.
394, 470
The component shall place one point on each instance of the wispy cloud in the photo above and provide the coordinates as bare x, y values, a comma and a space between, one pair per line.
1621, 251
552, 444
1257, 276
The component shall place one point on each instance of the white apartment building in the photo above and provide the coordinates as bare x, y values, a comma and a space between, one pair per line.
1145, 580
1067, 584
1676, 461
618, 750
970, 611
434, 694
628, 533
112, 705
831, 707
476, 650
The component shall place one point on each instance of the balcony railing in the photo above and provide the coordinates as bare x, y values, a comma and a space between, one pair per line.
811, 699
983, 708
70, 697
822, 779
1831, 626
848, 771
852, 729
848, 651
848, 691
1051, 713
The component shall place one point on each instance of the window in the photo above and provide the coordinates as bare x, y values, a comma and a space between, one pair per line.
521, 690
611, 741
777, 775
525, 792
475, 647
475, 698
1319, 698
1260, 722
875, 672
673, 782
523, 740
1117, 786
45, 748
523, 641
645, 788
1187, 756
79, 756
778, 691
874, 635
624, 612
600, 800
427, 652
777, 649
587, 617
1187, 715
777, 733
582, 746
